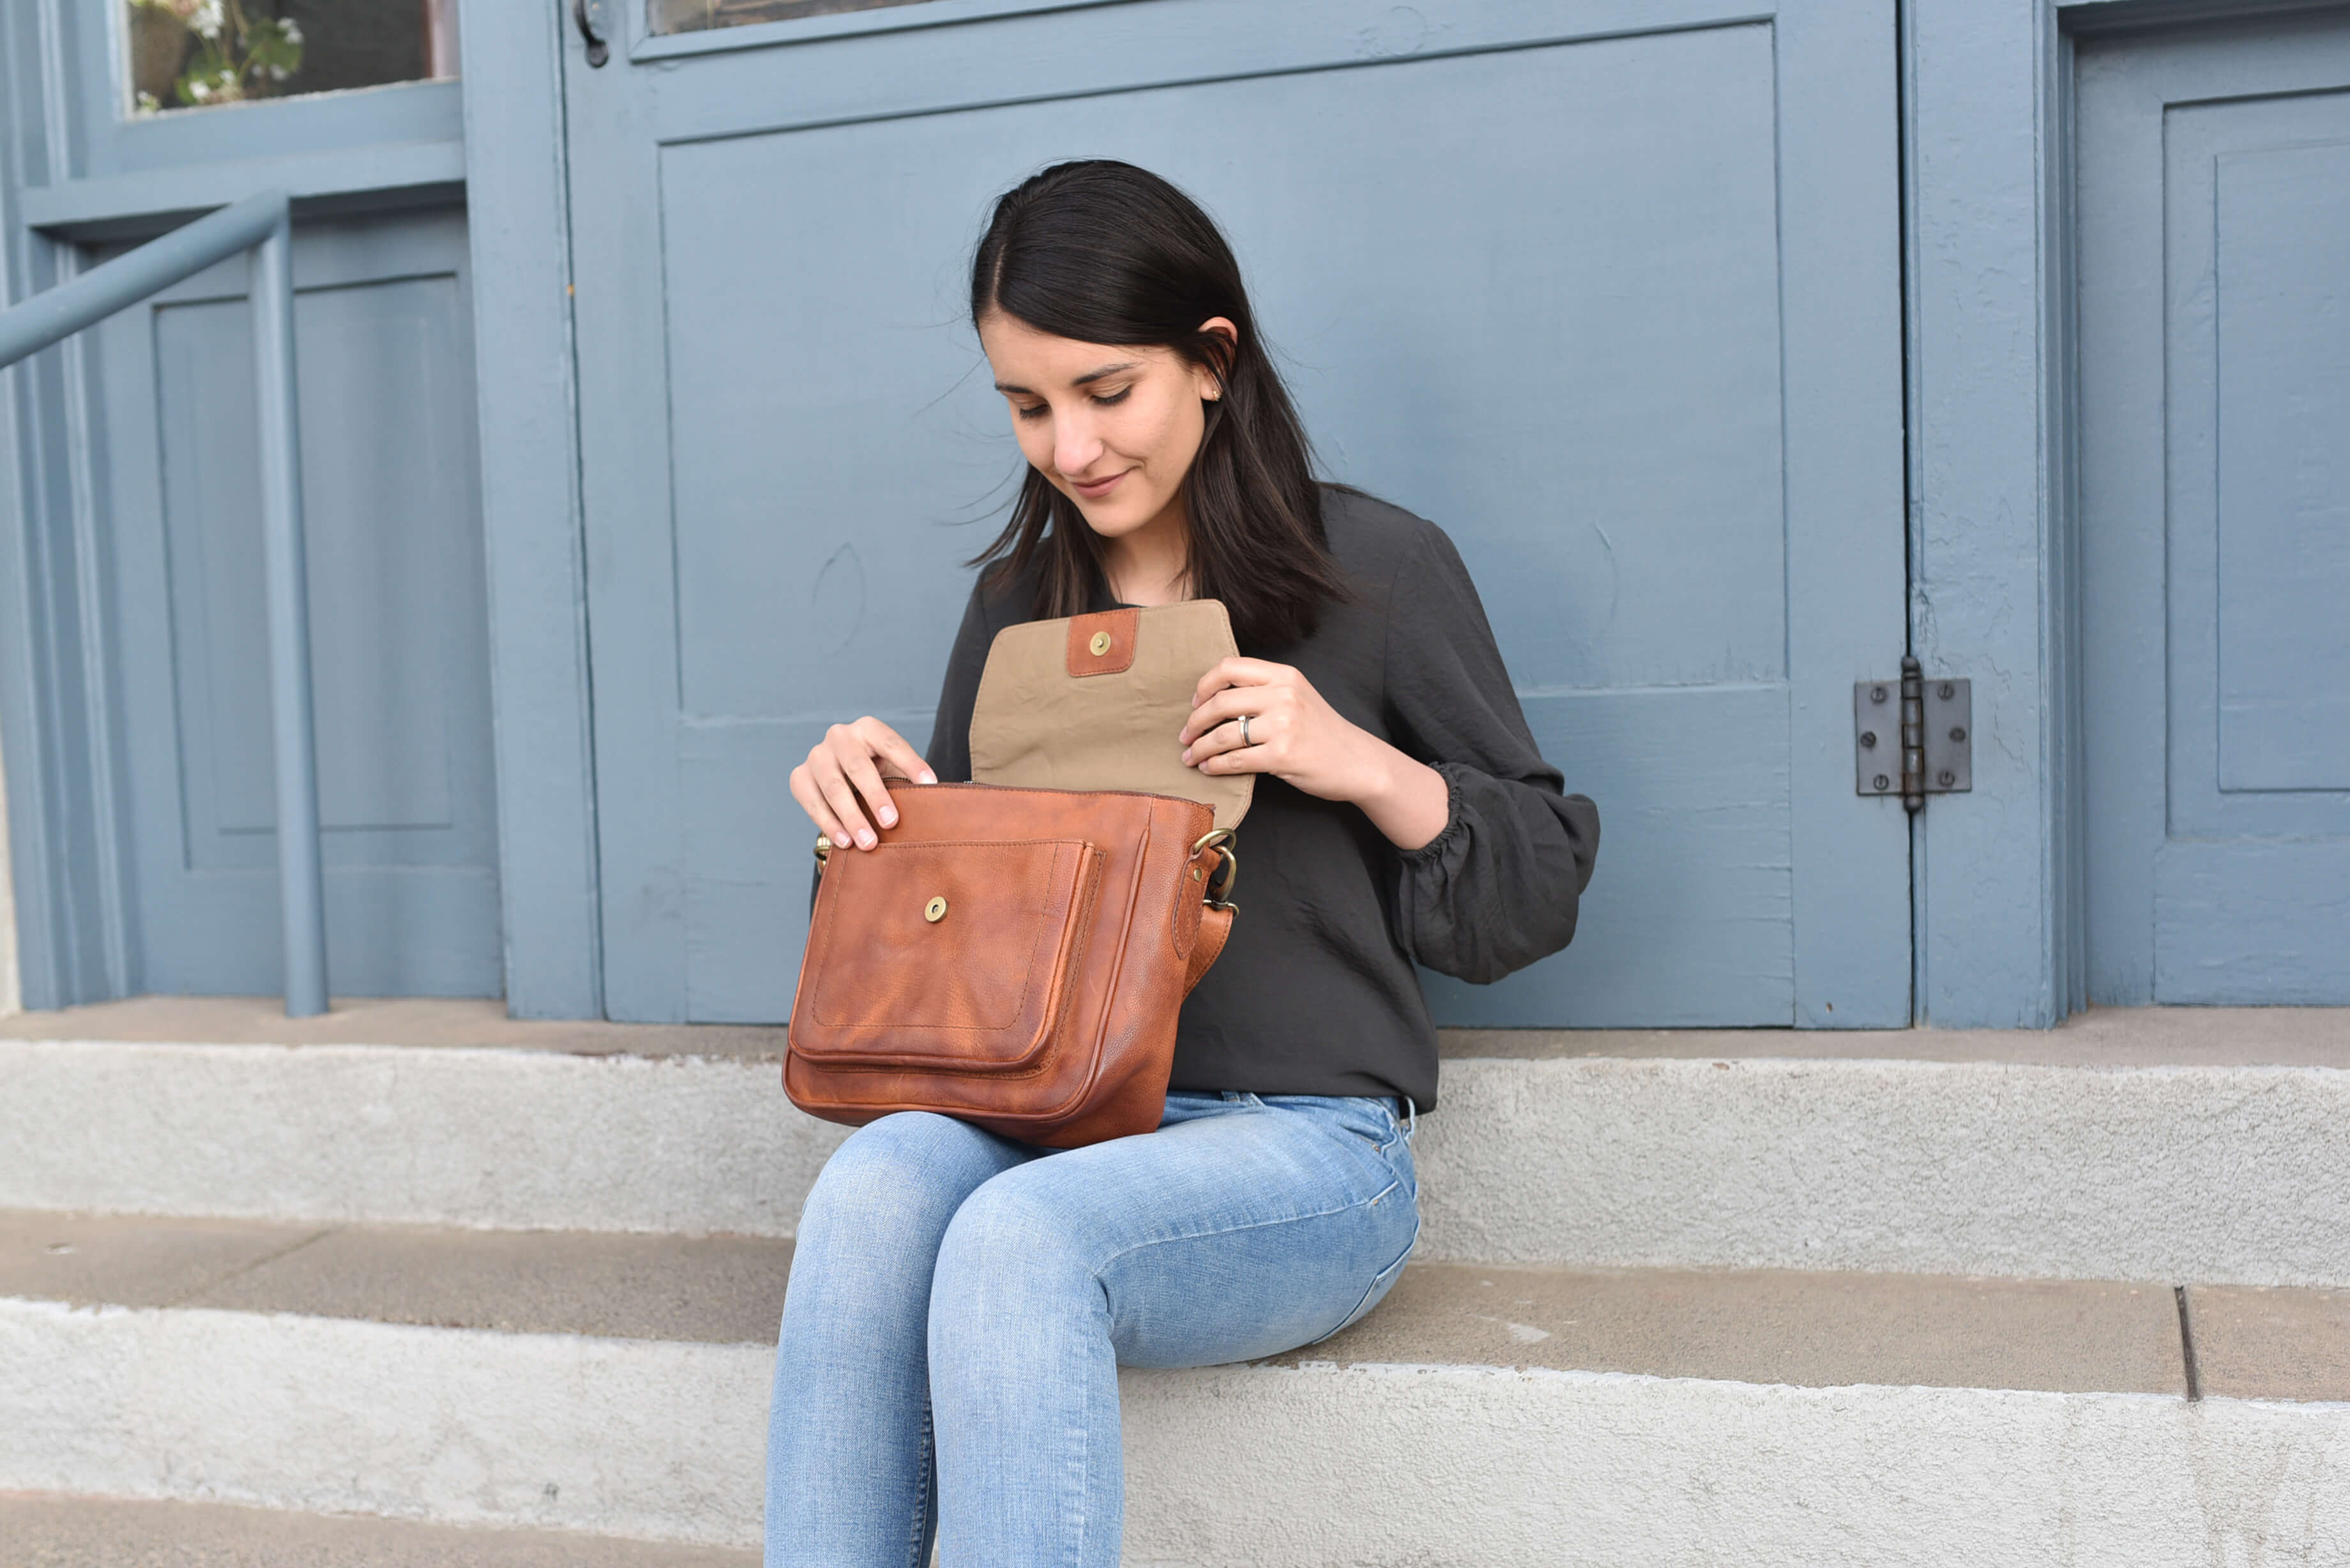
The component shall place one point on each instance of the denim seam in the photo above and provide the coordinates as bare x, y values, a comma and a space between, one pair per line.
915, 1555
1252, 1225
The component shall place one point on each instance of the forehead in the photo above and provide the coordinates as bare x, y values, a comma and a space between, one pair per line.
1025, 356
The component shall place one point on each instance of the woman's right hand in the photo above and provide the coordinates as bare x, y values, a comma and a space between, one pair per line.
848, 764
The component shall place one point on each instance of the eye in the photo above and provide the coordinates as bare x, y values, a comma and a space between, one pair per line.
1032, 411
1111, 400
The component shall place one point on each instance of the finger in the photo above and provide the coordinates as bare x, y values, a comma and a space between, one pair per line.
1256, 759
1238, 672
1221, 738
1228, 704
842, 799
1231, 703
866, 779
811, 799
893, 749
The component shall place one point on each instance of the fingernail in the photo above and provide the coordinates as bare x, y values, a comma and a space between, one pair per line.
889, 817
863, 838
928, 777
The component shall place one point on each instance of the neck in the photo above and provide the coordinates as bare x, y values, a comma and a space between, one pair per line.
1150, 565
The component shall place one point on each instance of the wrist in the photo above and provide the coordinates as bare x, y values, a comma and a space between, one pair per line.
1405, 798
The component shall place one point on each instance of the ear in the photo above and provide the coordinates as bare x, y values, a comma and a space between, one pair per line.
1209, 384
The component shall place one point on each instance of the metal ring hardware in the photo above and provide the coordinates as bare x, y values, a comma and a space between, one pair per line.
823, 848
1227, 874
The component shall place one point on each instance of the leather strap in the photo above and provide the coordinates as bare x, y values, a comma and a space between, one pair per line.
1215, 930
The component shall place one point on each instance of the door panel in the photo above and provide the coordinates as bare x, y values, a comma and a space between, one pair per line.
1537, 288
2215, 244
399, 622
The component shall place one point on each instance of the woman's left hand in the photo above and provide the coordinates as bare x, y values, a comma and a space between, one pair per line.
1297, 737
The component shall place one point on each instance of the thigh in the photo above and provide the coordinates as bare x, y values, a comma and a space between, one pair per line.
1242, 1227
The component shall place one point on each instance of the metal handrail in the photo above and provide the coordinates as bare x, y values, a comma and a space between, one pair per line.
262, 224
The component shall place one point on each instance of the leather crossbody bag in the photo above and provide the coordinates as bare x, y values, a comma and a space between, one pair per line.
1014, 951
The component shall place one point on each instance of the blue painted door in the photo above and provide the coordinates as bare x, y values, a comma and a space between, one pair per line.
397, 613
1609, 290
2214, 253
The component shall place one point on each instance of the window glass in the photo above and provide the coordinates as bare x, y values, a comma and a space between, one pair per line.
695, 15
200, 54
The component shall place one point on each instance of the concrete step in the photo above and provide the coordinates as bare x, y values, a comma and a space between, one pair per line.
616, 1384
49, 1531
2205, 1144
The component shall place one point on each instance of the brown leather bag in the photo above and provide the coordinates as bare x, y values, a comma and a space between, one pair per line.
1016, 955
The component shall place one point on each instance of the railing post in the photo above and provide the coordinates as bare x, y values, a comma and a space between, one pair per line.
293, 730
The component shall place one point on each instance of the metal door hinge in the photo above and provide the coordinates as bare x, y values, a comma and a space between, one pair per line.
1913, 737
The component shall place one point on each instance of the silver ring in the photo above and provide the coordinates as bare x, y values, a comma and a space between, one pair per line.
1244, 734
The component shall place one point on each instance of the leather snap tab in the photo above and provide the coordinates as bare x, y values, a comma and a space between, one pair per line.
935, 910
1100, 644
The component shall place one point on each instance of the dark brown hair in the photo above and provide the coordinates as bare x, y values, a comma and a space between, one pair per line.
1104, 251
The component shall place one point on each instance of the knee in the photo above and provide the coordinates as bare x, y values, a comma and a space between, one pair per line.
1007, 1247
888, 1172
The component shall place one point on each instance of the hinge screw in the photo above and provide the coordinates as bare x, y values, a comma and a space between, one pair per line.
1868, 738
1884, 782
1876, 694
1957, 733
1946, 692
1948, 778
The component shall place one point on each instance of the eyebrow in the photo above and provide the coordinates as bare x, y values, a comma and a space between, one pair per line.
1088, 378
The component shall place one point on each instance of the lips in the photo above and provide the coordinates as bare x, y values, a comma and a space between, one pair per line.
1096, 489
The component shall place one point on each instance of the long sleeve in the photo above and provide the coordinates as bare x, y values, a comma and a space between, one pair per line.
1500, 886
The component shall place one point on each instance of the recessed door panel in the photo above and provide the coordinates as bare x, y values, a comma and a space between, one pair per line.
399, 621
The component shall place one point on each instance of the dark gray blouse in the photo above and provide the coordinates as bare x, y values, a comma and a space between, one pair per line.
1316, 994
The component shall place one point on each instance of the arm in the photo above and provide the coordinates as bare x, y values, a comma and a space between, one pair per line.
1494, 858
1500, 886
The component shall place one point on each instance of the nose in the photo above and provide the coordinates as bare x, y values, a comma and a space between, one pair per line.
1075, 446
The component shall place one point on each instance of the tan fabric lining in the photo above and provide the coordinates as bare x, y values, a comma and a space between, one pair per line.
1034, 724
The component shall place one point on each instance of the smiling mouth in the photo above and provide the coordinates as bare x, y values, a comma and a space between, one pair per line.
1093, 490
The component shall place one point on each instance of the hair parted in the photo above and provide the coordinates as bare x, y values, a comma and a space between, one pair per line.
1104, 251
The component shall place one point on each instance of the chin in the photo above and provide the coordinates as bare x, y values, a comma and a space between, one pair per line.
1116, 520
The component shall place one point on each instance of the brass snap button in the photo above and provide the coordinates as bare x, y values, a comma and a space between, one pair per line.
1100, 644
935, 910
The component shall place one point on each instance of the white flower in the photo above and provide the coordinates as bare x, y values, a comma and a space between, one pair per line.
292, 31
206, 20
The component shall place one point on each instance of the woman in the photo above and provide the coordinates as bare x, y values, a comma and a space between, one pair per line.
960, 1302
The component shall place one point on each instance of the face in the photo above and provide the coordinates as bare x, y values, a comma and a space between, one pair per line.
1114, 428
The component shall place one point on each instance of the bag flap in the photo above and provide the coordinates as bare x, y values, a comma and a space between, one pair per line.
1095, 702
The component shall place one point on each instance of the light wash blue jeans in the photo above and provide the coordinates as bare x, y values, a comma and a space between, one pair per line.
960, 1305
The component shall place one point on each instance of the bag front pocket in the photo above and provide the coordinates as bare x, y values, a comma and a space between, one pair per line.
944, 956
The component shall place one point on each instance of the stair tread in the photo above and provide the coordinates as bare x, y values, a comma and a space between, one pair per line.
51, 1531
2101, 1037
1807, 1328
721, 1289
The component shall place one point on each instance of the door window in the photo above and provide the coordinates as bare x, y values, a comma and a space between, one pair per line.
202, 54
699, 16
